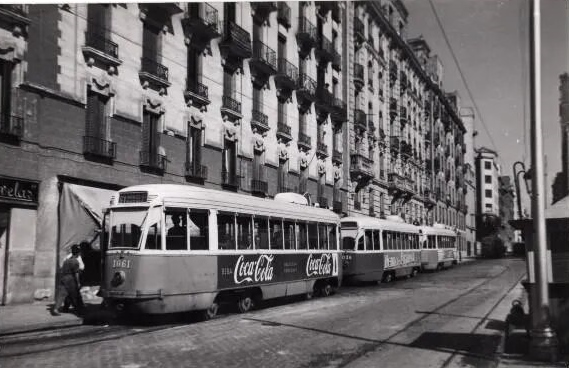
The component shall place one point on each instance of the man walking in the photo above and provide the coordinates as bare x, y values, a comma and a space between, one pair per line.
68, 285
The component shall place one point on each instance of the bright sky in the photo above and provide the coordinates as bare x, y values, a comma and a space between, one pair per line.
490, 39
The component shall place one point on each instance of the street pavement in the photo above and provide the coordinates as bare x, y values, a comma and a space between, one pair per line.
452, 318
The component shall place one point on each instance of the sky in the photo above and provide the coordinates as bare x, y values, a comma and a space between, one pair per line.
490, 39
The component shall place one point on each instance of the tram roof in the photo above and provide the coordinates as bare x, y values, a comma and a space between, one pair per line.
383, 224
175, 195
429, 230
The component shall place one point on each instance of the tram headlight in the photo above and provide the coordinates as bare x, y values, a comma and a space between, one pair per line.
118, 278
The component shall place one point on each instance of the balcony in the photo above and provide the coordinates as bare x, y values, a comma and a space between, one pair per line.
360, 119
100, 50
321, 150
339, 113
259, 122
392, 108
284, 132
403, 120
15, 15
403, 81
153, 162
231, 109
286, 78
153, 74
394, 144
336, 157
229, 180
12, 127
283, 14
358, 76
400, 185
264, 61
359, 32
371, 127
201, 23
429, 198
305, 90
259, 187
361, 167
304, 142
406, 150
196, 94
324, 102
336, 60
195, 171
95, 146
262, 10
306, 36
324, 51
235, 45
392, 70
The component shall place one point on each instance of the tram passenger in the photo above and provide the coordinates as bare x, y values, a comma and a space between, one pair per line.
176, 238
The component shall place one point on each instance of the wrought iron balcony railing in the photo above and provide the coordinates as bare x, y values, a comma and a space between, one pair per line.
322, 148
304, 139
99, 147
306, 88
196, 171
287, 74
231, 104
236, 40
102, 43
259, 186
153, 160
264, 58
260, 120
198, 89
154, 68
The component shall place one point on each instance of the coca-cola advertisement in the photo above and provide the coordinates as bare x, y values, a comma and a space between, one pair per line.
254, 269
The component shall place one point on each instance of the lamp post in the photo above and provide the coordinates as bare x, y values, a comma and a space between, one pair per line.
517, 184
543, 339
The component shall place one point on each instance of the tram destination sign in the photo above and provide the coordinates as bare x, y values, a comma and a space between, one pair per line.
256, 269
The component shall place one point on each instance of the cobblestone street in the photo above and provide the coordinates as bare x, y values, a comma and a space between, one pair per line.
437, 319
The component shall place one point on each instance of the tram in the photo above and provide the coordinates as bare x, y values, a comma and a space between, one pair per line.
438, 247
174, 248
379, 249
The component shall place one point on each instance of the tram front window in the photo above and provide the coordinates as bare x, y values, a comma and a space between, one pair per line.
126, 228
348, 243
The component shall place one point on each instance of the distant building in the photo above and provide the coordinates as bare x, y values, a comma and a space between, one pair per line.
467, 116
560, 187
487, 183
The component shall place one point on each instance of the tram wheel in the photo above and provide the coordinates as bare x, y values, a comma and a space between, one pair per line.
211, 312
245, 303
326, 290
388, 277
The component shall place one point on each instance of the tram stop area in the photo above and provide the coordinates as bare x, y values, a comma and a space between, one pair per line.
557, 231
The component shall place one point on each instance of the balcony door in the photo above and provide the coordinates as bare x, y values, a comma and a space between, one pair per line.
194, 149
5, 92
150, 42
229, 164
151, 137
97, 20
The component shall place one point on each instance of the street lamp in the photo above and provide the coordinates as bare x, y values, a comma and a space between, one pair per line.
517, 184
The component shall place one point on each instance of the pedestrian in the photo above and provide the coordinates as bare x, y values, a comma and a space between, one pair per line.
68, 285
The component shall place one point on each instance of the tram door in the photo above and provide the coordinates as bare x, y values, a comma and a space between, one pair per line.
4, 227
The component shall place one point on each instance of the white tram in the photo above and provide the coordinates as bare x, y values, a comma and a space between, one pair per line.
376, 249
438, 247
173, 248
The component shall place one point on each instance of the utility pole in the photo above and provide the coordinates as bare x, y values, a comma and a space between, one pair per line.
543, 339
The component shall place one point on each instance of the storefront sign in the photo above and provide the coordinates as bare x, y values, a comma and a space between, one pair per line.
18, 190
254, 269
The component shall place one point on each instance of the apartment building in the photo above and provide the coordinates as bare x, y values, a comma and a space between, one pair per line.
487, 180
245, 97
467, 116
406, 136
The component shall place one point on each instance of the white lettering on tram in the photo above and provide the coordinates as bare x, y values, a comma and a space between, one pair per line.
319, 266
259, 270
396, 261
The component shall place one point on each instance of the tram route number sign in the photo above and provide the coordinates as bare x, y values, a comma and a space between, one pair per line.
255, 269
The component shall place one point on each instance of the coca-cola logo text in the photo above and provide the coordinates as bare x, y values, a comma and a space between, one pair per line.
319, 266
259, 270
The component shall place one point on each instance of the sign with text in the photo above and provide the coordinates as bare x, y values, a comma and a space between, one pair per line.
255, 269
402, 259
18, 190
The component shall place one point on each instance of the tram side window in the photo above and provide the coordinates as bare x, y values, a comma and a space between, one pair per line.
301, 235
384, 239
276, 231
312, 235
199, 230
376, 244
176, 237
322, 236
397, 241
369, 241
332, 240
261, 232
361, 244
244, 232
289, 242
153, 237
388, 240
226, 231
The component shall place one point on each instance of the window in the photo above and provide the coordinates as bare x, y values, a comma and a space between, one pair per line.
151, 137
96, 120
5, 92
261, 233
244, 232
488, 207
276, 231
194, 150
322, 236
226, 231
384, 240
312, 235
258, 168
303, 180
361, 244
376, 243
488, 179
193, 69
488, 193
283, 176
289, 235
332, 239
487, 165
176, 237
199, 230
229, 164
154, 236
302, 235
150, 42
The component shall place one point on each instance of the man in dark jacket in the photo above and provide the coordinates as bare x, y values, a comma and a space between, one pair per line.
68, 285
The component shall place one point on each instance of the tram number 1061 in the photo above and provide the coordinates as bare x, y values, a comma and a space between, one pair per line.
121, 263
